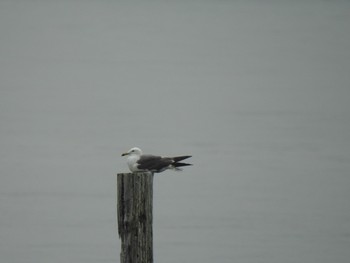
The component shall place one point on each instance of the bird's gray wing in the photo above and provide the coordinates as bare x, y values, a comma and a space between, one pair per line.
153, 163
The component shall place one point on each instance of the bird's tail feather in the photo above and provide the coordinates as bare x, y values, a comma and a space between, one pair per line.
181, 164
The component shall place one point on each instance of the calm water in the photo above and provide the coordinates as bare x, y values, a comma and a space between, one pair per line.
257, 91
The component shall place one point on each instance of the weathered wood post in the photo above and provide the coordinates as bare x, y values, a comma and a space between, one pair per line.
134, 201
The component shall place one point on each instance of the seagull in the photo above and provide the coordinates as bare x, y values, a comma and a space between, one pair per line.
139, 162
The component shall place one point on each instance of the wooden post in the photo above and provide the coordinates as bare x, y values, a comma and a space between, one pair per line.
134, 201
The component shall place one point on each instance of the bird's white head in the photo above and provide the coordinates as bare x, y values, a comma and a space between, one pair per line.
133, 151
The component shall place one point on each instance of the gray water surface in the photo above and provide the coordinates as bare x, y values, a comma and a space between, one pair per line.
257, 91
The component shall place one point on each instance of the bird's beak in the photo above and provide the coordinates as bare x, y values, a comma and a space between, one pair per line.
123, 154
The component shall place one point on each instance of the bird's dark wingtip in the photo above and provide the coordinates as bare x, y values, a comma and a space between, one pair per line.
180, 158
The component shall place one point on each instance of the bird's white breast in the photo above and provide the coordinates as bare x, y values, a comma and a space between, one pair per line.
132, 162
